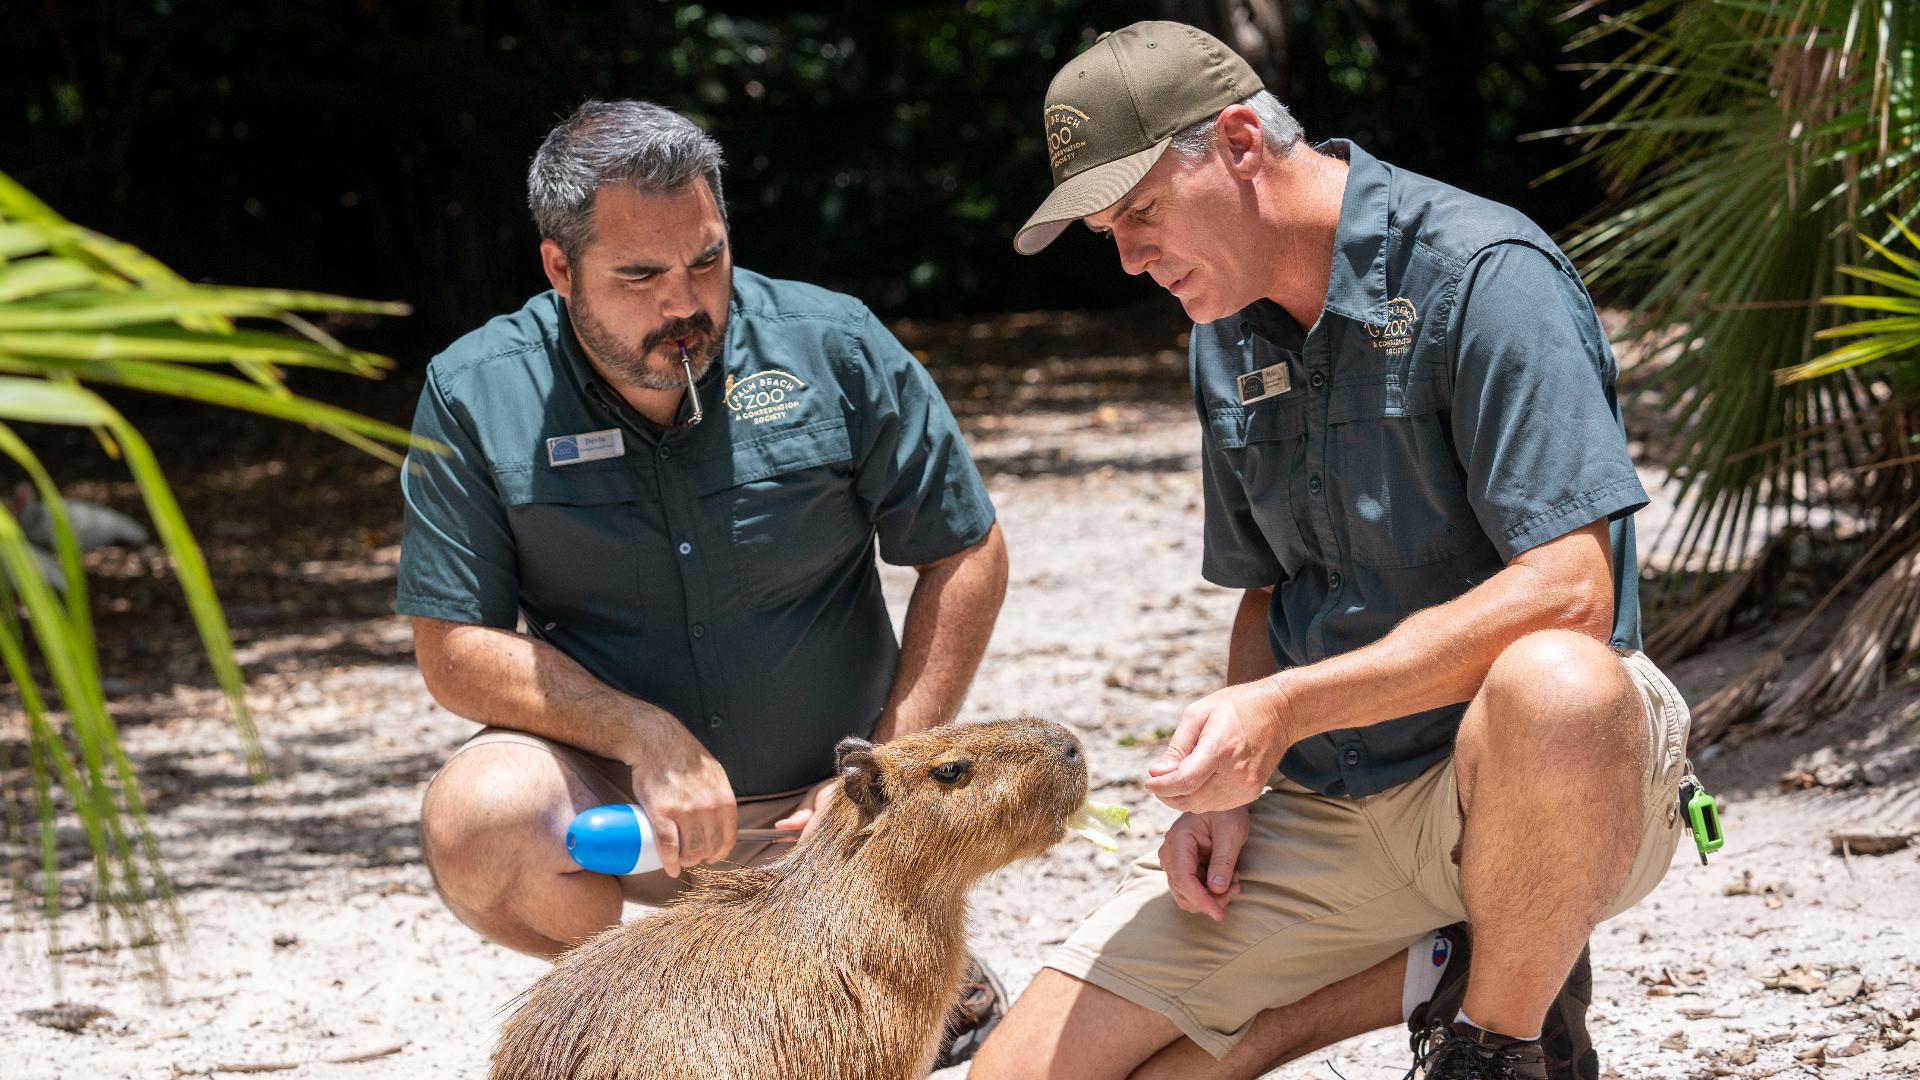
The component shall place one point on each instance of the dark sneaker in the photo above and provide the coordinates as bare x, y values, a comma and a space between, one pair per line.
983, 1001
1465, 1052
1569, 1050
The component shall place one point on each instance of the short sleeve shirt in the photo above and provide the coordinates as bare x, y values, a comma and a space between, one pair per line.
1453, 407
722, 571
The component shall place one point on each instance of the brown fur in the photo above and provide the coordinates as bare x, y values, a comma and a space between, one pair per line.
840, 961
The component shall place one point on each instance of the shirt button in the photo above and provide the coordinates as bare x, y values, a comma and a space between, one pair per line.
1352, 756
714, 720
667, 451
1313, 483
686, 548
1318, 380
699, 630
1333, 579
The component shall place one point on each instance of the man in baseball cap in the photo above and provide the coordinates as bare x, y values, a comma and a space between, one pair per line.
1439, 727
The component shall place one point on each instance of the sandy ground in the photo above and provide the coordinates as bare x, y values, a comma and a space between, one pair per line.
314, 933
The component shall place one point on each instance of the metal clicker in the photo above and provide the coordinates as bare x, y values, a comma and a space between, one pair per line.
693, 394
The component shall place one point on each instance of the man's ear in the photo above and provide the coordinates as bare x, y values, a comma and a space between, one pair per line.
1238, 134
860, 779
559, 270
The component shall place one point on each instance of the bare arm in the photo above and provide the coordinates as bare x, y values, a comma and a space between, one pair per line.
1229, 742
498, 677
949, 619
1440, 656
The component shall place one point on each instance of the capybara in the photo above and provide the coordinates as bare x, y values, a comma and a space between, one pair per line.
837, 962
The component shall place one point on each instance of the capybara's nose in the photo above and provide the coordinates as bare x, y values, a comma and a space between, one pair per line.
1065, 741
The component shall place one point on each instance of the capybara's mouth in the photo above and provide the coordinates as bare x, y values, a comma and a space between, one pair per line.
1100, 823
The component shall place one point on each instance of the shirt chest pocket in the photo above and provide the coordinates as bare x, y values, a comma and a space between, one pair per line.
582, 540
1265, 446
788, 506
1403, 495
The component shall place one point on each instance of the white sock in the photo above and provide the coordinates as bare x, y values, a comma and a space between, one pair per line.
1427, 961
1463, 1018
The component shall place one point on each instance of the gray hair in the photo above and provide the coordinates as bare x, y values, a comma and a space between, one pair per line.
648, 147
1277, 125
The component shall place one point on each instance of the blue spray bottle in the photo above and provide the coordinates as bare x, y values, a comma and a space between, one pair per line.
618, 839
613, 839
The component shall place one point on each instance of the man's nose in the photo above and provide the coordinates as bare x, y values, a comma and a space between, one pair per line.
680, 301
1135, 255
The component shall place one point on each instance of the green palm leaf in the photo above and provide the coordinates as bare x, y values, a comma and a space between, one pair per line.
1746, 143
1896, 338
78, 308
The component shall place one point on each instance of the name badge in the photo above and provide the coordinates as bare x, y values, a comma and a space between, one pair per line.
1265, 383
587, 446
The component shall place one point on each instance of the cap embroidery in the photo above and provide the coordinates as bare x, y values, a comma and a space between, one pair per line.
1063, 134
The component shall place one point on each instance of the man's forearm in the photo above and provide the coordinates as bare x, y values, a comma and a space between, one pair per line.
949, 619
498, 677
1441, 655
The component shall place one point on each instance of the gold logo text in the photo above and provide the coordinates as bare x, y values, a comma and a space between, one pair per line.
1395, 336
1063, 134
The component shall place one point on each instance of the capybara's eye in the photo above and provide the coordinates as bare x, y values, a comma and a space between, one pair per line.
950, 772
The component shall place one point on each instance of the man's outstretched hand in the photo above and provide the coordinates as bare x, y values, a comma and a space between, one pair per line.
1225, 747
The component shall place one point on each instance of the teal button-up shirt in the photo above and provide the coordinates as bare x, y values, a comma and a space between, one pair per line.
723, 572
1453, 407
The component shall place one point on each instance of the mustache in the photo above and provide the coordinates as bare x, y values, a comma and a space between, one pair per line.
699, 324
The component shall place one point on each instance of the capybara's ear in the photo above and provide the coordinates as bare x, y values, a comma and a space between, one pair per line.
860, 775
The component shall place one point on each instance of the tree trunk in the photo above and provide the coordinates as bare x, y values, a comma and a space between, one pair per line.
1256, 29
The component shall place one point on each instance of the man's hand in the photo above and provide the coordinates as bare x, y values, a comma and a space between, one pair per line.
1200, 855
812, 809
1224, 749
686, 795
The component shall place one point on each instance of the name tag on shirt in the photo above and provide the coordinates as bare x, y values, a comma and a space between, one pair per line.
1265, 383
587, 446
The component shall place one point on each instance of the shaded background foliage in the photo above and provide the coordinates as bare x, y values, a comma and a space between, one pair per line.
886, 149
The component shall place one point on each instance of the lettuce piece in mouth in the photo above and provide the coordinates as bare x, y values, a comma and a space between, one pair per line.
1099, 822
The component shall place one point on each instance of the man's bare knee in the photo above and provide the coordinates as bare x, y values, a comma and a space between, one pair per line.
1560, 693
487, 805
1062, 1027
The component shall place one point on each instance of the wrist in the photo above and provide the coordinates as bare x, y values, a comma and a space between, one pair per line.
649, 732
1279, 700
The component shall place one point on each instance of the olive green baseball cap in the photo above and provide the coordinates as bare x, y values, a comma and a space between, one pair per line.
1112, 110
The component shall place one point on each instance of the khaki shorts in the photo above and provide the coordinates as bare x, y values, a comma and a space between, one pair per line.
1331, 887
611, 782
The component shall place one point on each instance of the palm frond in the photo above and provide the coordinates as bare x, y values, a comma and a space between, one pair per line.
1744, 141
78, 308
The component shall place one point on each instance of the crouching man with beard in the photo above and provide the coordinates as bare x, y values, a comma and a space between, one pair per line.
646, 563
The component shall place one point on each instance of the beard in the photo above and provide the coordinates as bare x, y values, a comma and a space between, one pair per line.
636, 363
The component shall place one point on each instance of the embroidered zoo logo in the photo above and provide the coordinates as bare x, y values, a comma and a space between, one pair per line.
1063, 133
1396, 335
763, 396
